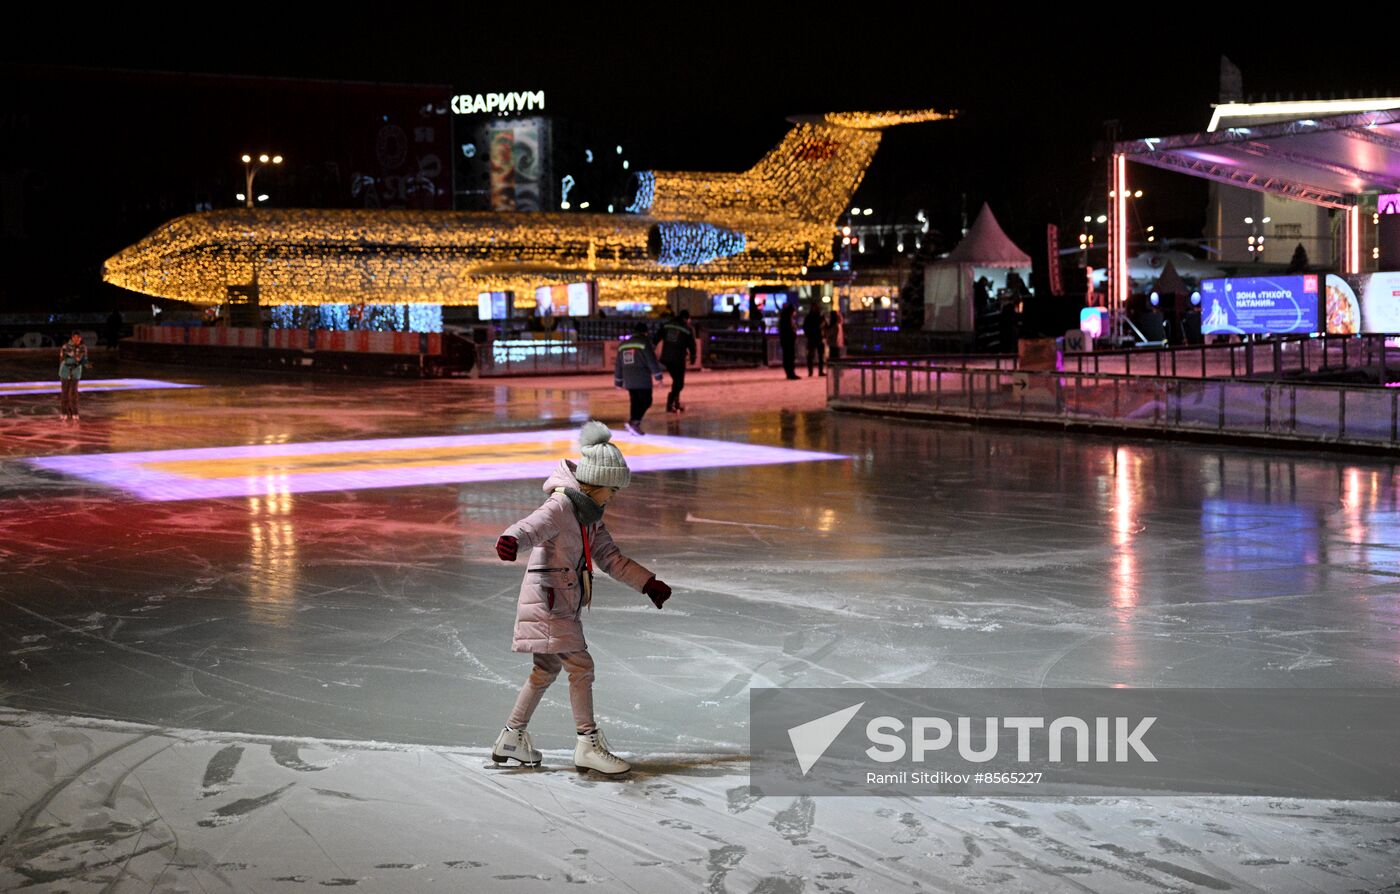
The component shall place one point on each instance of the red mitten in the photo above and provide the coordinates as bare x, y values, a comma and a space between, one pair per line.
507, 548
658, 591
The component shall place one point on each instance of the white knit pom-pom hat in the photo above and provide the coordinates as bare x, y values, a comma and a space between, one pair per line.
602, 463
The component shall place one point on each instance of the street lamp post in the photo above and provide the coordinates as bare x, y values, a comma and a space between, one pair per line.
250, 170
1256, 238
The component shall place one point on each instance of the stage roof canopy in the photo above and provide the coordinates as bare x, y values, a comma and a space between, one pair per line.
1295, 150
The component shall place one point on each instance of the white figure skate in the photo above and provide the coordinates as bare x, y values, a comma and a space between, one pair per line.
515, 744
592, 753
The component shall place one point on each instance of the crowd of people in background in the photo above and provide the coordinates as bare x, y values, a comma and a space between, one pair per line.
825, 336
638, 367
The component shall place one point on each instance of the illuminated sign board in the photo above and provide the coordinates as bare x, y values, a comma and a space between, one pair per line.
1343, 308
1380, 302
580, 299
574, 299
771, 302
1368, 304
1093, 321
725, 303
498, 103
1260, 304
493, 305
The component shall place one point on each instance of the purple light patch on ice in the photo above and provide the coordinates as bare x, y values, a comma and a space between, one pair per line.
387, 462
51, 386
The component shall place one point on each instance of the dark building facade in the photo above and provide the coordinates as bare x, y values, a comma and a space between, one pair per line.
514, 151
93, 160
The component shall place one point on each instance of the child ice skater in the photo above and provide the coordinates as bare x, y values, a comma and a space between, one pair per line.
72, 359
566, 537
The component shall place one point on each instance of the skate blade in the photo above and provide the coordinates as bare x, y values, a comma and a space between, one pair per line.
508, 763
584, 771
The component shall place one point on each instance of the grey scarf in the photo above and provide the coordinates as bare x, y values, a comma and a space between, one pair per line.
585, 509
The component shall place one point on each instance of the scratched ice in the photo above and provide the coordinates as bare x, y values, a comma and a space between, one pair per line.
283, 688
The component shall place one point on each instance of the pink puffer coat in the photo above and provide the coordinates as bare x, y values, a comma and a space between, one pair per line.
547, 615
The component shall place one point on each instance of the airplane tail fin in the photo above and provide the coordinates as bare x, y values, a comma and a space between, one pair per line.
810, 176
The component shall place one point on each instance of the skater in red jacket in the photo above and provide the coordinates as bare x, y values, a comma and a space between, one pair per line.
566, 537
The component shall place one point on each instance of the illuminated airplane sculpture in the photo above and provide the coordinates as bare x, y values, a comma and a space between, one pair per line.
768, 224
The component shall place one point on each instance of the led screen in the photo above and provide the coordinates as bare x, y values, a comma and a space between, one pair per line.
1260, 304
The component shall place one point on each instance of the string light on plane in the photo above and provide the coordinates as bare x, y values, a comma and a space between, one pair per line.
674, 244
644, 188
770, 223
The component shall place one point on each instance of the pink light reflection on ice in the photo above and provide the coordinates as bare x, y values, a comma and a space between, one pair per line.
1124, 509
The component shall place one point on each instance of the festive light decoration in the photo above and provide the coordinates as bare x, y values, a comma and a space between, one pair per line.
263, 469
424, 317
881, 120
674, 244
643, 193
372, 317
779, 218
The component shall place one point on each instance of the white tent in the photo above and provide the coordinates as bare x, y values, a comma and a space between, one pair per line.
948, 282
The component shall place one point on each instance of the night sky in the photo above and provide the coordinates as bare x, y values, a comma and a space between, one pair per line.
683, 95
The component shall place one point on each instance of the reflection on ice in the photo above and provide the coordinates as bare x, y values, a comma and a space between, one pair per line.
273, 567
1127, 486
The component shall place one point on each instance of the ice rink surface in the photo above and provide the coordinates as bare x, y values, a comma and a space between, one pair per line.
287, 689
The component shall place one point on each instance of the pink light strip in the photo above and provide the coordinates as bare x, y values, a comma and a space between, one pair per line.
1120, 231
1353, 256
132, 473
51, 386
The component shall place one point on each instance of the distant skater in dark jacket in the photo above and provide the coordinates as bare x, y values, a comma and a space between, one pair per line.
677, 345
635, 369
787, 337
814, 329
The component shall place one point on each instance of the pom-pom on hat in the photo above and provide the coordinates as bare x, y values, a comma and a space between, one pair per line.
602, 463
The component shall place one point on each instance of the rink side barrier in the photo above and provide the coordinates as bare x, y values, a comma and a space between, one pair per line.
1309, 415
365, 352
1284, 357
418, 354
1280, 357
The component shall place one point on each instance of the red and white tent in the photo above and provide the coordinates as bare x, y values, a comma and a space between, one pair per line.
948, 282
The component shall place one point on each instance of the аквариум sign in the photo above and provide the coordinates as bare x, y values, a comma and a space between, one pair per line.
493, 103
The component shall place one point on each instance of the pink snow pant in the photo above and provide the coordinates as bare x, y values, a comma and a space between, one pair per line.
547, 666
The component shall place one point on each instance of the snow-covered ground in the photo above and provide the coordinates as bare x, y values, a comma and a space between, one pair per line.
98, 806
293, 690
